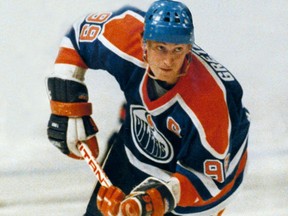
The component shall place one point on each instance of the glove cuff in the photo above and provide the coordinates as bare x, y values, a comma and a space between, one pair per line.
71, 109
158, 188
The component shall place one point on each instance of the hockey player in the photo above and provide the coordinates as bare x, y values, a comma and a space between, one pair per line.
182, 149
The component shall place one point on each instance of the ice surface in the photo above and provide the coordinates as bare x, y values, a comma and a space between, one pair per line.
248, 37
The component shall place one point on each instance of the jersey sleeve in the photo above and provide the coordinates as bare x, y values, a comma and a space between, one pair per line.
213, 158
110, 41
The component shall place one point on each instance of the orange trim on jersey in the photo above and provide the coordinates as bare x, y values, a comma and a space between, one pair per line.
151, 105
205, 98
188, 191
71, 109
189, 194
119, 31
69, 56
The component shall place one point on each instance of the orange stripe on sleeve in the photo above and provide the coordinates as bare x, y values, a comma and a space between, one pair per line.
69, 56
228, 187
128, 29
190, 196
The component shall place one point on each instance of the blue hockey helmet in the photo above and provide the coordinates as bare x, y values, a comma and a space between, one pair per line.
169, 21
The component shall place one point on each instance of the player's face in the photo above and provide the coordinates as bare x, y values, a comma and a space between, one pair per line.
166, 59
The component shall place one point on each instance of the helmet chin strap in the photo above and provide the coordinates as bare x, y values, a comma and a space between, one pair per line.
150, 73
183, 70
186, 64
148, 70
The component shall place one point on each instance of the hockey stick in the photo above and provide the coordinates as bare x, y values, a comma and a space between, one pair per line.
94, 165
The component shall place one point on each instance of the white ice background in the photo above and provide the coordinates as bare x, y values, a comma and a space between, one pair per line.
249, 37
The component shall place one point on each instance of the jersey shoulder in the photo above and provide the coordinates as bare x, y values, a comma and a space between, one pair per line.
117, 32
225, 79
212, 64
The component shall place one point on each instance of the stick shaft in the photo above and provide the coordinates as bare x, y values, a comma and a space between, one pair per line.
94, 165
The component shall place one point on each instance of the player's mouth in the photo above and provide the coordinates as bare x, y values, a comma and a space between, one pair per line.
166, 69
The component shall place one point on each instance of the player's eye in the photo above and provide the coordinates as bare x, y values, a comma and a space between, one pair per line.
178, 49
160, 48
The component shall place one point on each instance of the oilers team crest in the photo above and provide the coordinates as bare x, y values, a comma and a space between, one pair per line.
147, 138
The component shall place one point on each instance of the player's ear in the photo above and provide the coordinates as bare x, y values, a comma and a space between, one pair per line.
144, 48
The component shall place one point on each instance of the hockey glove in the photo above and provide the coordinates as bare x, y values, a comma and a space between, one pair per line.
152, 197
109, 200
70, 121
